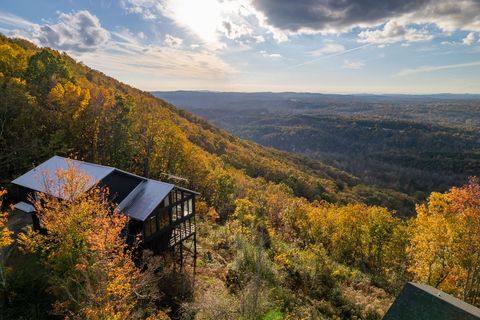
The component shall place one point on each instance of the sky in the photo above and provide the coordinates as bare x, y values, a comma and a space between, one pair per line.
343, 46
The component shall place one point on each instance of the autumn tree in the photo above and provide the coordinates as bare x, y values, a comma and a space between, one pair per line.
445, 244
5, 240
45, 69
18, 110
356, 234
92, 273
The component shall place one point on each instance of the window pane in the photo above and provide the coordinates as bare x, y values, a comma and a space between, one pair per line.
178, 195
162, 220
151, 226
176, 212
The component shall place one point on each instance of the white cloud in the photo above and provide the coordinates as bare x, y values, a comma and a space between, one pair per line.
154, 61
77, 31
469, 39
328, 49
448, 43
393, 32
234, 31
129, 57
80, 31
173, 42
353, 64
448, 15
265, 54
125, 35
423, 69
259, 39
148, 9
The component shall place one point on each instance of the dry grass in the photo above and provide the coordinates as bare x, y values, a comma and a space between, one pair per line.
368, 298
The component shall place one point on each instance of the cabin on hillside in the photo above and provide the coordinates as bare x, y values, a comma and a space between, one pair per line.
163, 214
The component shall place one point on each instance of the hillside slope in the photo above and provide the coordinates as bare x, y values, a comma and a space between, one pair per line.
54, 105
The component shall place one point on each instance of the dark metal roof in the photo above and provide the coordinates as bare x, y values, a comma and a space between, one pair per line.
42, 178
145, 198
423, 302
138, 204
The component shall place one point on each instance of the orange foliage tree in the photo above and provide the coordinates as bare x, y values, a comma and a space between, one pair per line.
92, 273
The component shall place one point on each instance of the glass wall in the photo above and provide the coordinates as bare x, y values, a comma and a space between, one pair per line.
181, 206
151, 226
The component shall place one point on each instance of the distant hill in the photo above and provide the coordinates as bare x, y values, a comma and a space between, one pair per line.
411, 143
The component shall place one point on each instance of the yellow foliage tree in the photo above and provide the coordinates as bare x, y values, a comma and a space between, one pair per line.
356, 234
445, 244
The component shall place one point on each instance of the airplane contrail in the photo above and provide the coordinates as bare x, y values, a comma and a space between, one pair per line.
330, 55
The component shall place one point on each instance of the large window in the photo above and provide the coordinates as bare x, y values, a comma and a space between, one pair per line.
181, 207
163, 219
176, 196
150, 226
188, 207
177, 212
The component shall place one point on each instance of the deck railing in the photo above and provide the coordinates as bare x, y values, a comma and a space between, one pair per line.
182, 231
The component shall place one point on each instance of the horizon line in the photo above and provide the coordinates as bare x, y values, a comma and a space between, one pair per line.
324, 92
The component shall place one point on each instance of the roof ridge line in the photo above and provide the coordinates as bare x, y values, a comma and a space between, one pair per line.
82, 161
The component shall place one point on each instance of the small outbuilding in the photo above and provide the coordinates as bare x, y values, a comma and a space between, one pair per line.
422, 302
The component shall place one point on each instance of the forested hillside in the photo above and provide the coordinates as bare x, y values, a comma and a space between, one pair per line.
280, 236
413, 144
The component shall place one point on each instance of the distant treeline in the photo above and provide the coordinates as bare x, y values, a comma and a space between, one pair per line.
413, 144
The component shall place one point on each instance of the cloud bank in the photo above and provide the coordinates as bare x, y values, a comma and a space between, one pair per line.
379, 21
78, 31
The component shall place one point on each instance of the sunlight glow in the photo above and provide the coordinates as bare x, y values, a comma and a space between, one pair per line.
201, 17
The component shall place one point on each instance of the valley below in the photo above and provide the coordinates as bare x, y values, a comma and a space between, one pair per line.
412, 144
